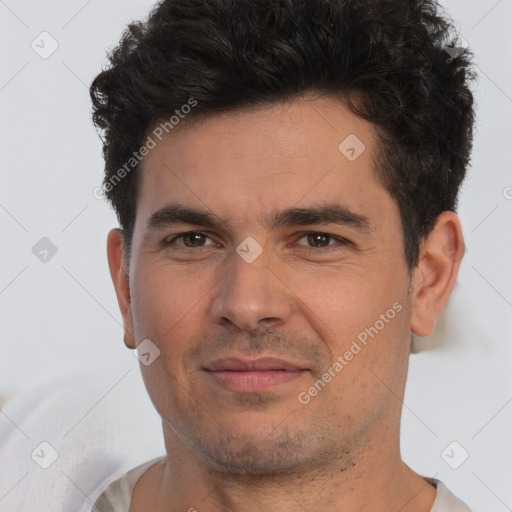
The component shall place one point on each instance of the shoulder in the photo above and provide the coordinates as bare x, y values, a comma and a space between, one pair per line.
116, 497
446, 501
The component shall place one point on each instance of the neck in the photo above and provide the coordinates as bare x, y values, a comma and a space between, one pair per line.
375, 479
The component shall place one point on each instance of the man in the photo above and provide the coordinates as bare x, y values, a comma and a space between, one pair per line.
285, 174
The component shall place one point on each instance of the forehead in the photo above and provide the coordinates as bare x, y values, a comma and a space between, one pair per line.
246, 164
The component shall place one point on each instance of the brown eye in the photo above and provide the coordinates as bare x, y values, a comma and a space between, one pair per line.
318, 240
191, 239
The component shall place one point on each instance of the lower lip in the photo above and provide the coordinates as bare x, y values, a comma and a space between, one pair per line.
255, 381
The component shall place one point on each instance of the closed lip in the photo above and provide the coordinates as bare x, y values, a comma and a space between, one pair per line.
235, 364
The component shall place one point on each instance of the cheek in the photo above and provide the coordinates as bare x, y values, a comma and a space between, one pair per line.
168, 310
368, 339
166, 304
171, 308
348, 301
363, 319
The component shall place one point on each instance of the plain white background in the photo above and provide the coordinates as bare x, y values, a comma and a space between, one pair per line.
60, 318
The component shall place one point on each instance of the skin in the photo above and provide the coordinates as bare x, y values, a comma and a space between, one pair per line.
303, 300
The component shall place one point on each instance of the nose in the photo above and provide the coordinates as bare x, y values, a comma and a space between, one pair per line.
251, 296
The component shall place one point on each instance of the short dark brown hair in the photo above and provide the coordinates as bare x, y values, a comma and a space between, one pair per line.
233, 54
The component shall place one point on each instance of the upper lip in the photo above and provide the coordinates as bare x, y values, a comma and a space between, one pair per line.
235, 364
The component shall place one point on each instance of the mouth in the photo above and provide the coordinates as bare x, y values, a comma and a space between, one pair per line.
253, 375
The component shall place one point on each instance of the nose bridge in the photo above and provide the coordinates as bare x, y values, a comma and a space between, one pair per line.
250, 296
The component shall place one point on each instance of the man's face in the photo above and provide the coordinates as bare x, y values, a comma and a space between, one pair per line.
251, 315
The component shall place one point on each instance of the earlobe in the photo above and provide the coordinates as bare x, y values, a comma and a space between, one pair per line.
435, 275
120, 279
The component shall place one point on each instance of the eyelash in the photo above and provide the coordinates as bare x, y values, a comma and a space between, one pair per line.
342, 242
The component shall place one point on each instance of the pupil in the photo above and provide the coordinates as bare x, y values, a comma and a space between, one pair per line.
317, 238
191, 236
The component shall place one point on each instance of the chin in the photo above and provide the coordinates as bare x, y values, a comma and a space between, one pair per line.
257, 454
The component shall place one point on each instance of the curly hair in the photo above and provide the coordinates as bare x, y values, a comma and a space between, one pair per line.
387, 59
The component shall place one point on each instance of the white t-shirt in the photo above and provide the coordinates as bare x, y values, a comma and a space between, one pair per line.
117, 496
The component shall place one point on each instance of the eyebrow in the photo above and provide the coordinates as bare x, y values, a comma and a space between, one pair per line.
177, 214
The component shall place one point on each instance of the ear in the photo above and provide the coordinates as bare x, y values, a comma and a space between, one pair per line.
120, 278
435, 275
